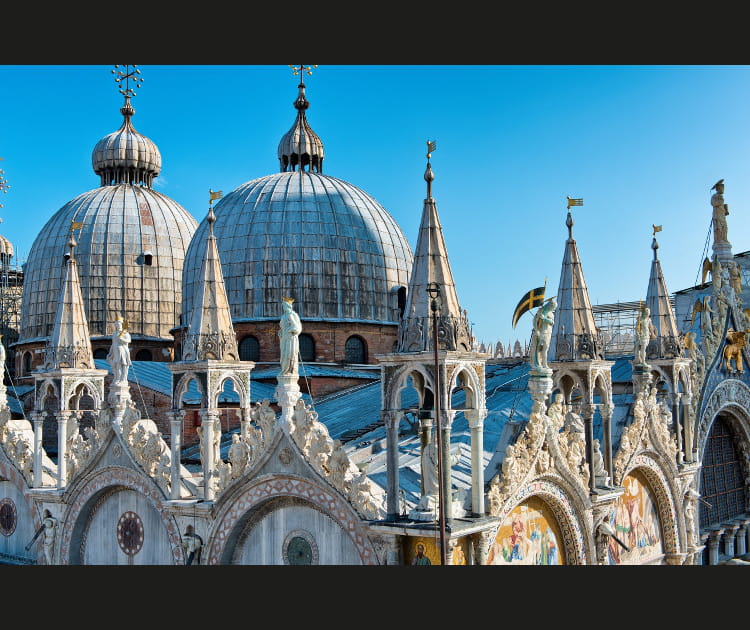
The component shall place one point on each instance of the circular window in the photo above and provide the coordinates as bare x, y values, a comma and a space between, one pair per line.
300, 548
130, 533
8, 518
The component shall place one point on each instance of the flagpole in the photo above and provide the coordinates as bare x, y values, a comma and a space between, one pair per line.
433, 289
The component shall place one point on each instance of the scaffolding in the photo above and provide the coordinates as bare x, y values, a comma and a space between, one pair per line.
11, 285
617, 325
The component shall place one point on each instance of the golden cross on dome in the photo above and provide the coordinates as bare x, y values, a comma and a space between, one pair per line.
130, 73
302, 69
3, 182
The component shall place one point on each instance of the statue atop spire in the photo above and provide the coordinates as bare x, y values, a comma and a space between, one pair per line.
722, 247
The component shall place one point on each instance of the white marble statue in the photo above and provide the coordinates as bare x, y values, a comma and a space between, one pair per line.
119, 353
238, 456
720, 212
289, 329
50, 530
556, 412
601, 477
642, 334
544, 319
430, 469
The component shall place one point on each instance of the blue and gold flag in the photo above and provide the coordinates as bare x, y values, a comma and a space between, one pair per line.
530, 300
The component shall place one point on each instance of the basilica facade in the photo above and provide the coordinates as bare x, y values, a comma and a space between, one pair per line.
422, 449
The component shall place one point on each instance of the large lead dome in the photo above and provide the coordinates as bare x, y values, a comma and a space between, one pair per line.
131, 247
299, 233
310, 236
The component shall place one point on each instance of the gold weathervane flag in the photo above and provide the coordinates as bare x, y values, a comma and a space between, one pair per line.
530, 300
431, 146
574, 202
215, 194
76, 225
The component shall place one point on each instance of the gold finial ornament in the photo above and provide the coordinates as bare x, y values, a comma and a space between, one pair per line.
288, 299
75, 225
128, 74
431, 146
3, 182
573, 202
657, 228
213, 195
301, 69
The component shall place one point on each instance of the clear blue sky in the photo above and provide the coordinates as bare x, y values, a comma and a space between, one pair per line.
641, 145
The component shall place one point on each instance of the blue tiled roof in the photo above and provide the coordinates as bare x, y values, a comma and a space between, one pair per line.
157, 376
320, 370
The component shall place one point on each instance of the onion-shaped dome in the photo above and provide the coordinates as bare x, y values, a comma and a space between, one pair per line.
131, 247
126, 156
309, 236
6, 248
300, 146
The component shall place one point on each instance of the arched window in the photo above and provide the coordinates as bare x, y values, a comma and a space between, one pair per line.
306, 348
143, 355
355, 350
722, 481
26, 362
249, 349
401, 301
101, 353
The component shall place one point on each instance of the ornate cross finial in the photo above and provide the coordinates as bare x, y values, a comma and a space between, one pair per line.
3, 182
301, 69
129, 73
431, 146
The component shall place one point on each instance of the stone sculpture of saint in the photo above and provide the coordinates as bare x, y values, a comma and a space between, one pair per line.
544, 319
642, 334
430, 469
119, 352
720, 212
289, 329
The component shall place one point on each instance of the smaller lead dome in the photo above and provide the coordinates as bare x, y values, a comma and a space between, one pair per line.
126, 156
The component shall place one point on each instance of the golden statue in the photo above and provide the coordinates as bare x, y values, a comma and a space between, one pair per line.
736, 340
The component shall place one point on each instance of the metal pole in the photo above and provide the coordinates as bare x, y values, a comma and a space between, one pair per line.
439, 437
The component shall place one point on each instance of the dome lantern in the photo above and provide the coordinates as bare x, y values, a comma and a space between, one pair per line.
300, 147
126, 156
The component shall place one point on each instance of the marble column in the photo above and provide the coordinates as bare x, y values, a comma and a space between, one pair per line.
445, 436
450, 548
481, 546
714, 538
210, 424
677, 423
391, 420
175, 445
606, 410
740, 541
588, 418
37, 418
63, 417
393, 550
730, 531
475, 418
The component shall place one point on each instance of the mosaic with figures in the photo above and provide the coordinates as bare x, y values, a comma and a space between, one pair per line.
528, 535
636, 522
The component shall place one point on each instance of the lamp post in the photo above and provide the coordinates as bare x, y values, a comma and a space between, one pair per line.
433, 290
